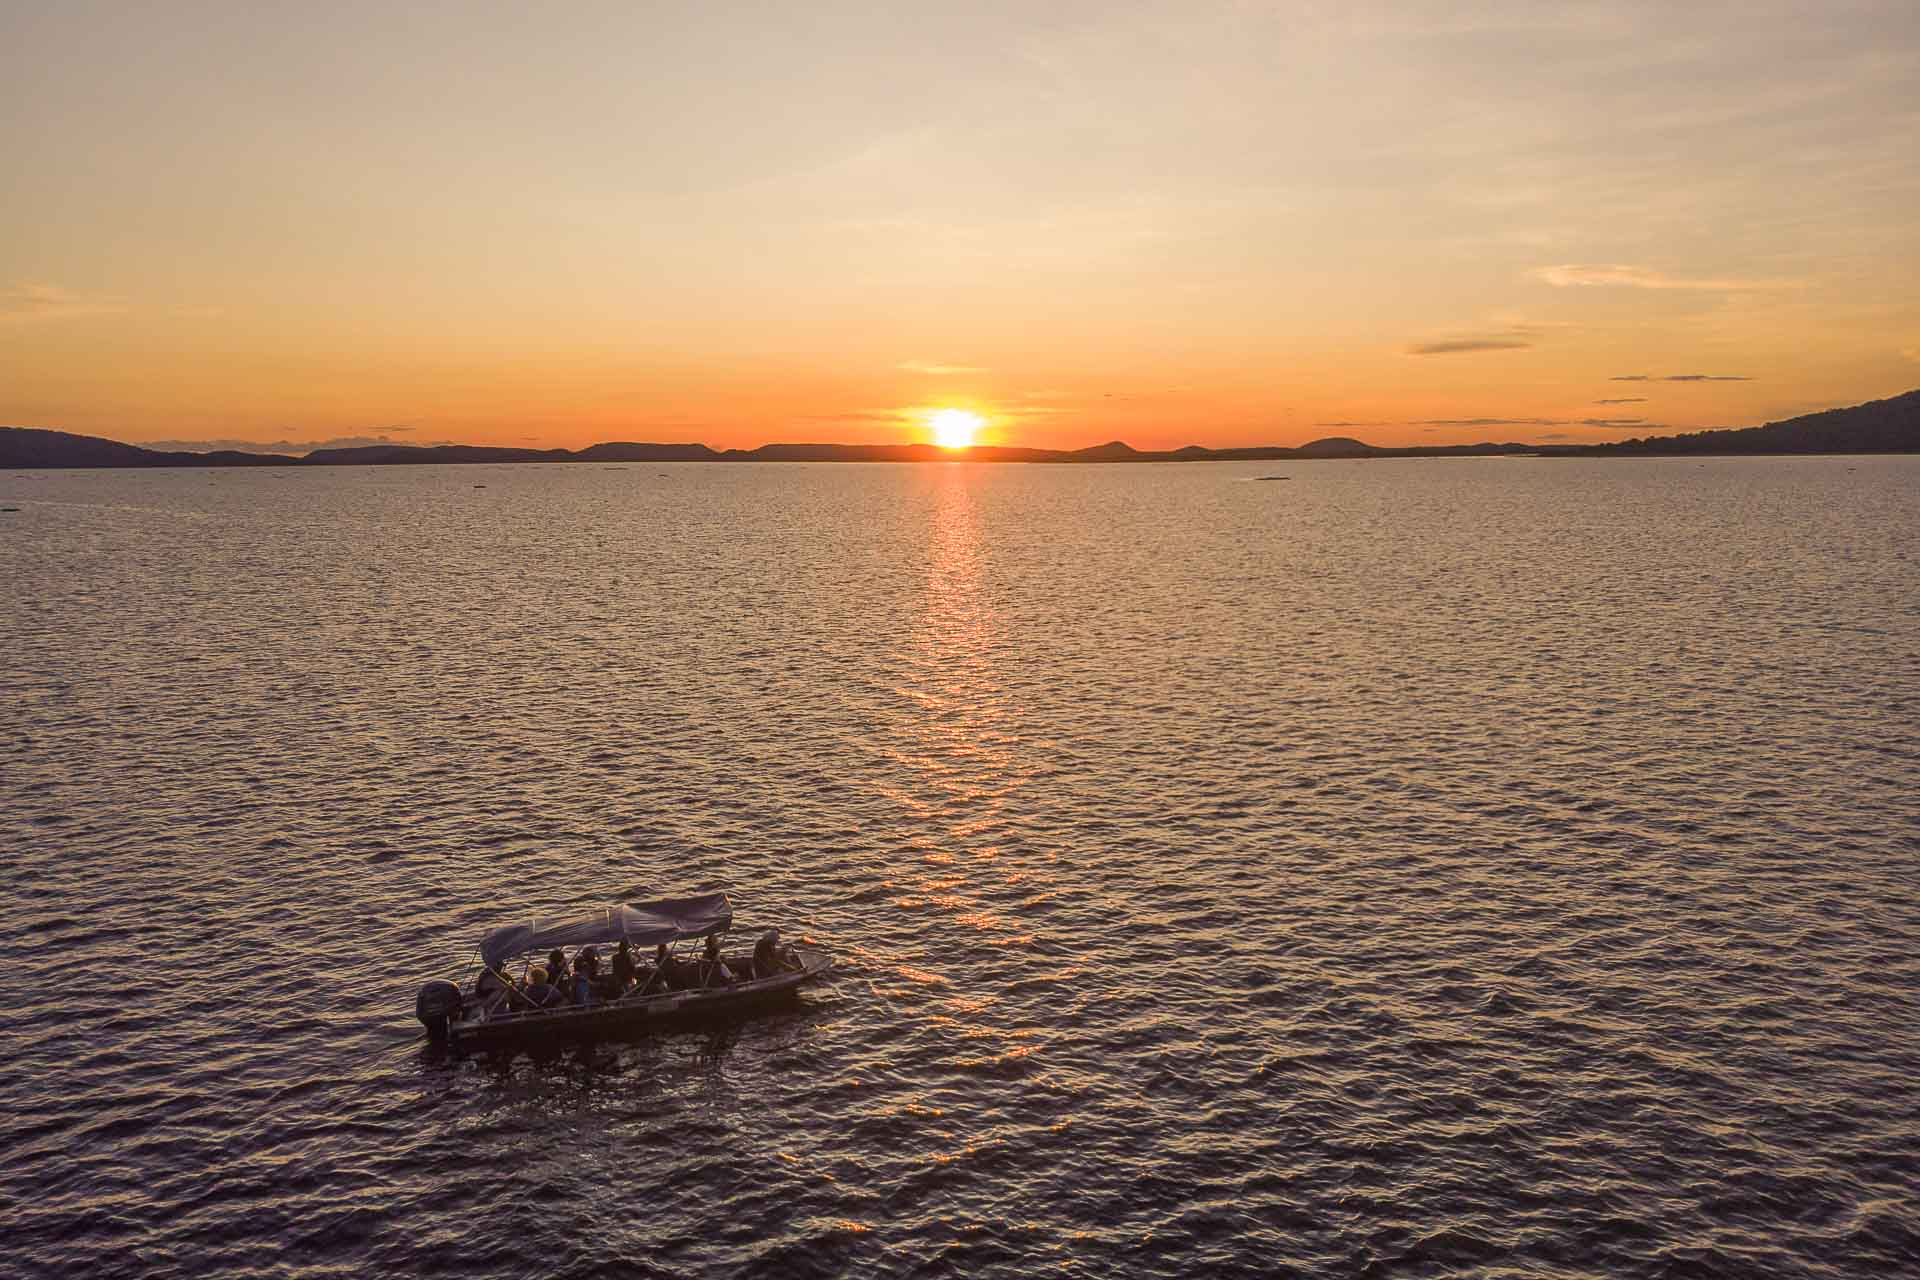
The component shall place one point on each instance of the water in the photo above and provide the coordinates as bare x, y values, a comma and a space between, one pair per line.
1411, 868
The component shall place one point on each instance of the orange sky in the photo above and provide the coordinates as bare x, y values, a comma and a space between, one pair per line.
1168, 224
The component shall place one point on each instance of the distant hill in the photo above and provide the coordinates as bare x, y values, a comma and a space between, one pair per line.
1880, 426
381, 454
1334, 447
623, 451
1111, 451
23, 447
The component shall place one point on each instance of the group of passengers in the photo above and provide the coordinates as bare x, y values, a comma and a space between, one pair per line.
582, 982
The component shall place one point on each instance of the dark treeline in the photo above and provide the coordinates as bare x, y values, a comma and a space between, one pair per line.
1879, 426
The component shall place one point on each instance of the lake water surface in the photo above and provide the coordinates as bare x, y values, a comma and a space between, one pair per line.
1405, 868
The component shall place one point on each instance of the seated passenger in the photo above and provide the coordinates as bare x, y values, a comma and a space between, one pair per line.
582, 986
557, 967
539, 992
625, 971
766, 954
588, 962
715, 970
490, 989
666, 971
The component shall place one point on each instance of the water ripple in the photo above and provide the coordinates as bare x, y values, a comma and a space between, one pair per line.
1415, 869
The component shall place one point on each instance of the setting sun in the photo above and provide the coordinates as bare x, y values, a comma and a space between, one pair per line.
955, 428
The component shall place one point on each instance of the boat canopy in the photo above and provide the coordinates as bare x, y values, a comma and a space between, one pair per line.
645, 924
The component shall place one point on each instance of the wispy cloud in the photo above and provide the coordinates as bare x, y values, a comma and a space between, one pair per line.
1618, 275
1681, 377
1488, 422
1456, 346
1624, 400
1911, 353
894, 416
940, 370
1498, 332
1611, 424
31, 303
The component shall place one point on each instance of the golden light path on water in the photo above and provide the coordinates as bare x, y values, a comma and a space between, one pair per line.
958, 740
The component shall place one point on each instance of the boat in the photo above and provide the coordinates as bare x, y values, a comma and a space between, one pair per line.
688, 975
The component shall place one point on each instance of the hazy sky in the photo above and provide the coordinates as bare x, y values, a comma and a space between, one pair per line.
1171, 224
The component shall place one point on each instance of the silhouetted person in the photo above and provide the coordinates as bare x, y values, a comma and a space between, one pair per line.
665, 972
766, 954
625, 971
717, 973
491, 990
539, 992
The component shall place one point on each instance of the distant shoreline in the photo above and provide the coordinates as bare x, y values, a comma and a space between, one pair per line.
1877, 427
270, 462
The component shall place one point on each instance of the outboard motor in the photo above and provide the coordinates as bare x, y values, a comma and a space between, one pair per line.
435, 1005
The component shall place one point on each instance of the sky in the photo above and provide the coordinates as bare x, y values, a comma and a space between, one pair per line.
1170, 224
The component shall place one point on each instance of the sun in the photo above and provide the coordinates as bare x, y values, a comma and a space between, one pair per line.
955, 428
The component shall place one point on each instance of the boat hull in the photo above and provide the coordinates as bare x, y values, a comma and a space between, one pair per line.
635, 1014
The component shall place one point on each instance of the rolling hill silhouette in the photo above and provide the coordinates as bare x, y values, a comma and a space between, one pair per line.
1879, 426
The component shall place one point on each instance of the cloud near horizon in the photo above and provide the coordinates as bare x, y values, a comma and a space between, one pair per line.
1487, 422
28, 302
1454, 346
1624, 400
1611, 424
940, 370
1681, 377
1597, 275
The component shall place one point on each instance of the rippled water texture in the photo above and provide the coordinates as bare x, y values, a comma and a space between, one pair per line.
1409, 868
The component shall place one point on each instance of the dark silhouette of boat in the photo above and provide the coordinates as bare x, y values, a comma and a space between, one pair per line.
690, 976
